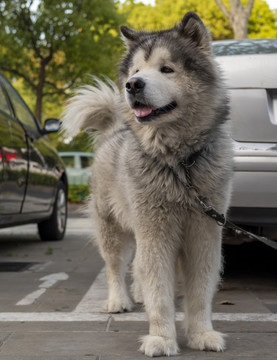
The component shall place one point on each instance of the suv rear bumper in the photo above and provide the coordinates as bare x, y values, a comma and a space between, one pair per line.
253, 216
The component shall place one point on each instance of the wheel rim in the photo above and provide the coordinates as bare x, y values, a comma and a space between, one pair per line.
61, 211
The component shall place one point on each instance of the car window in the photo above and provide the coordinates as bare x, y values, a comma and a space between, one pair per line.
68, 161
245, 47
20, 108
3, 103
86, 161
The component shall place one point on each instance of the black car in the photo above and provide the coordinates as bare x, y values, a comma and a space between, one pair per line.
33, 182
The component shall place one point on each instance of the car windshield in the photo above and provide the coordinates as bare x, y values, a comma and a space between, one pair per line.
245, 47
68, 161
86, 161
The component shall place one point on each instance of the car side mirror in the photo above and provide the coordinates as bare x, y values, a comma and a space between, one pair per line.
51, 125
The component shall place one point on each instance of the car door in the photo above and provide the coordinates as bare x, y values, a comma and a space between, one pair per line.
13, 160
42, 175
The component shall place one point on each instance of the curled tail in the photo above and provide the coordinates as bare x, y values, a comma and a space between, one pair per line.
92, 107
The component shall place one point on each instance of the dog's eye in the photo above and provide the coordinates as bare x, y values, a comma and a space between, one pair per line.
166, 69
137, 71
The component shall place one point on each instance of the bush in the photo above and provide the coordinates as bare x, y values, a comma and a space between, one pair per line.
77, 193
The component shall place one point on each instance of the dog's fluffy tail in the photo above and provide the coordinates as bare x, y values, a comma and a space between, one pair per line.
92, 107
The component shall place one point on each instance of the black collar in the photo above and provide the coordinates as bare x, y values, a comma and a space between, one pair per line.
190, 161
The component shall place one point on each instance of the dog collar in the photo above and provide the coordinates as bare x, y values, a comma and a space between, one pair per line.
191, 159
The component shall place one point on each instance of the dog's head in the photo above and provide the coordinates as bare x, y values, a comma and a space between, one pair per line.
163, 71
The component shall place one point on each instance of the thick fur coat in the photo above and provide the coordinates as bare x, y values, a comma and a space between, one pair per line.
170, 107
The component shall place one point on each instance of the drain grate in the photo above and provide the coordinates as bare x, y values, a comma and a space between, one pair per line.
15, 266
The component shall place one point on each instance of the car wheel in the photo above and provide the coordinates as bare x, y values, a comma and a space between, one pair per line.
54, 228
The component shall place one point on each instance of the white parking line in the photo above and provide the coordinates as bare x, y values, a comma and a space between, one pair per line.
51, 317
90, 309
48, 281
75, 316
95, 296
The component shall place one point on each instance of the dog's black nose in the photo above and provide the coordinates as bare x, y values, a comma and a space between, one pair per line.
135, 85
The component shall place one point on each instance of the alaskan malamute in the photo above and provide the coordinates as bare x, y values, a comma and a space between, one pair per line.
167, 114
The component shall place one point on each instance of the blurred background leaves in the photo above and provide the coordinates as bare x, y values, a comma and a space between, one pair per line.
50, 47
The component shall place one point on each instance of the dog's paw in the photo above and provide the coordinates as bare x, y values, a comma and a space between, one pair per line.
116, 305
208, 340
158, 346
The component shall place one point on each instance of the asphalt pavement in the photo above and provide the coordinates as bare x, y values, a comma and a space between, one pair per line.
53, 308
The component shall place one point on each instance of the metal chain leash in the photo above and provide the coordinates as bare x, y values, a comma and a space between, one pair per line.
214, 214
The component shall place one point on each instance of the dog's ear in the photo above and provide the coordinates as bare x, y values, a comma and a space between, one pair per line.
191, 26
129, 36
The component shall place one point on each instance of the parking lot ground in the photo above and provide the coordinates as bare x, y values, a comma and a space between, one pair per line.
52, 309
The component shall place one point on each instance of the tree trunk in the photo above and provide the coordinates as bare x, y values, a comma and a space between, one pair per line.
39, 90
38, 109
238, 16
239, 25
239, 19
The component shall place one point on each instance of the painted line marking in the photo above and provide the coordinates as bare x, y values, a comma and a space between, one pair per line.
30, 298
51, 317
94, 298
89, 317
48, 281
90, 307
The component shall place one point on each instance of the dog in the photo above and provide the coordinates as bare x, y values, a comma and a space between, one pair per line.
164, 138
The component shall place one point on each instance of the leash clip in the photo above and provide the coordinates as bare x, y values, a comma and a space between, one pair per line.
212, 213
219, 218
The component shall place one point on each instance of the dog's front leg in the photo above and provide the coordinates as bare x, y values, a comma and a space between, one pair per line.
155, 266
201, 265
116, 248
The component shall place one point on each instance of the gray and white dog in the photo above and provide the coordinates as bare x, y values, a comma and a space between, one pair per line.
169, 108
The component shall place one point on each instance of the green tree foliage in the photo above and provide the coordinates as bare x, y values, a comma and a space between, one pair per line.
53, 44
82, 142
141, 16
165, 13
207, 10
263, 21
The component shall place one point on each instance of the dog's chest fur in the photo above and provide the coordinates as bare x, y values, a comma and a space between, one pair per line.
134, 182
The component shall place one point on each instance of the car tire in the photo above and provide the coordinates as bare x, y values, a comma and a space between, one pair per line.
54, 228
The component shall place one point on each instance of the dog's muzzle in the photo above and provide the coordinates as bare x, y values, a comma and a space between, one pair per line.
144, 112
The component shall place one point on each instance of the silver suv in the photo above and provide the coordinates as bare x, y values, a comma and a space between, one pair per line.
250, 70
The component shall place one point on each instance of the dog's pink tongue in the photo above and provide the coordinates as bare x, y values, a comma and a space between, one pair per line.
142, 111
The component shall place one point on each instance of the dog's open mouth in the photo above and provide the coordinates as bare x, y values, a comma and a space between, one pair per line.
146, 113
